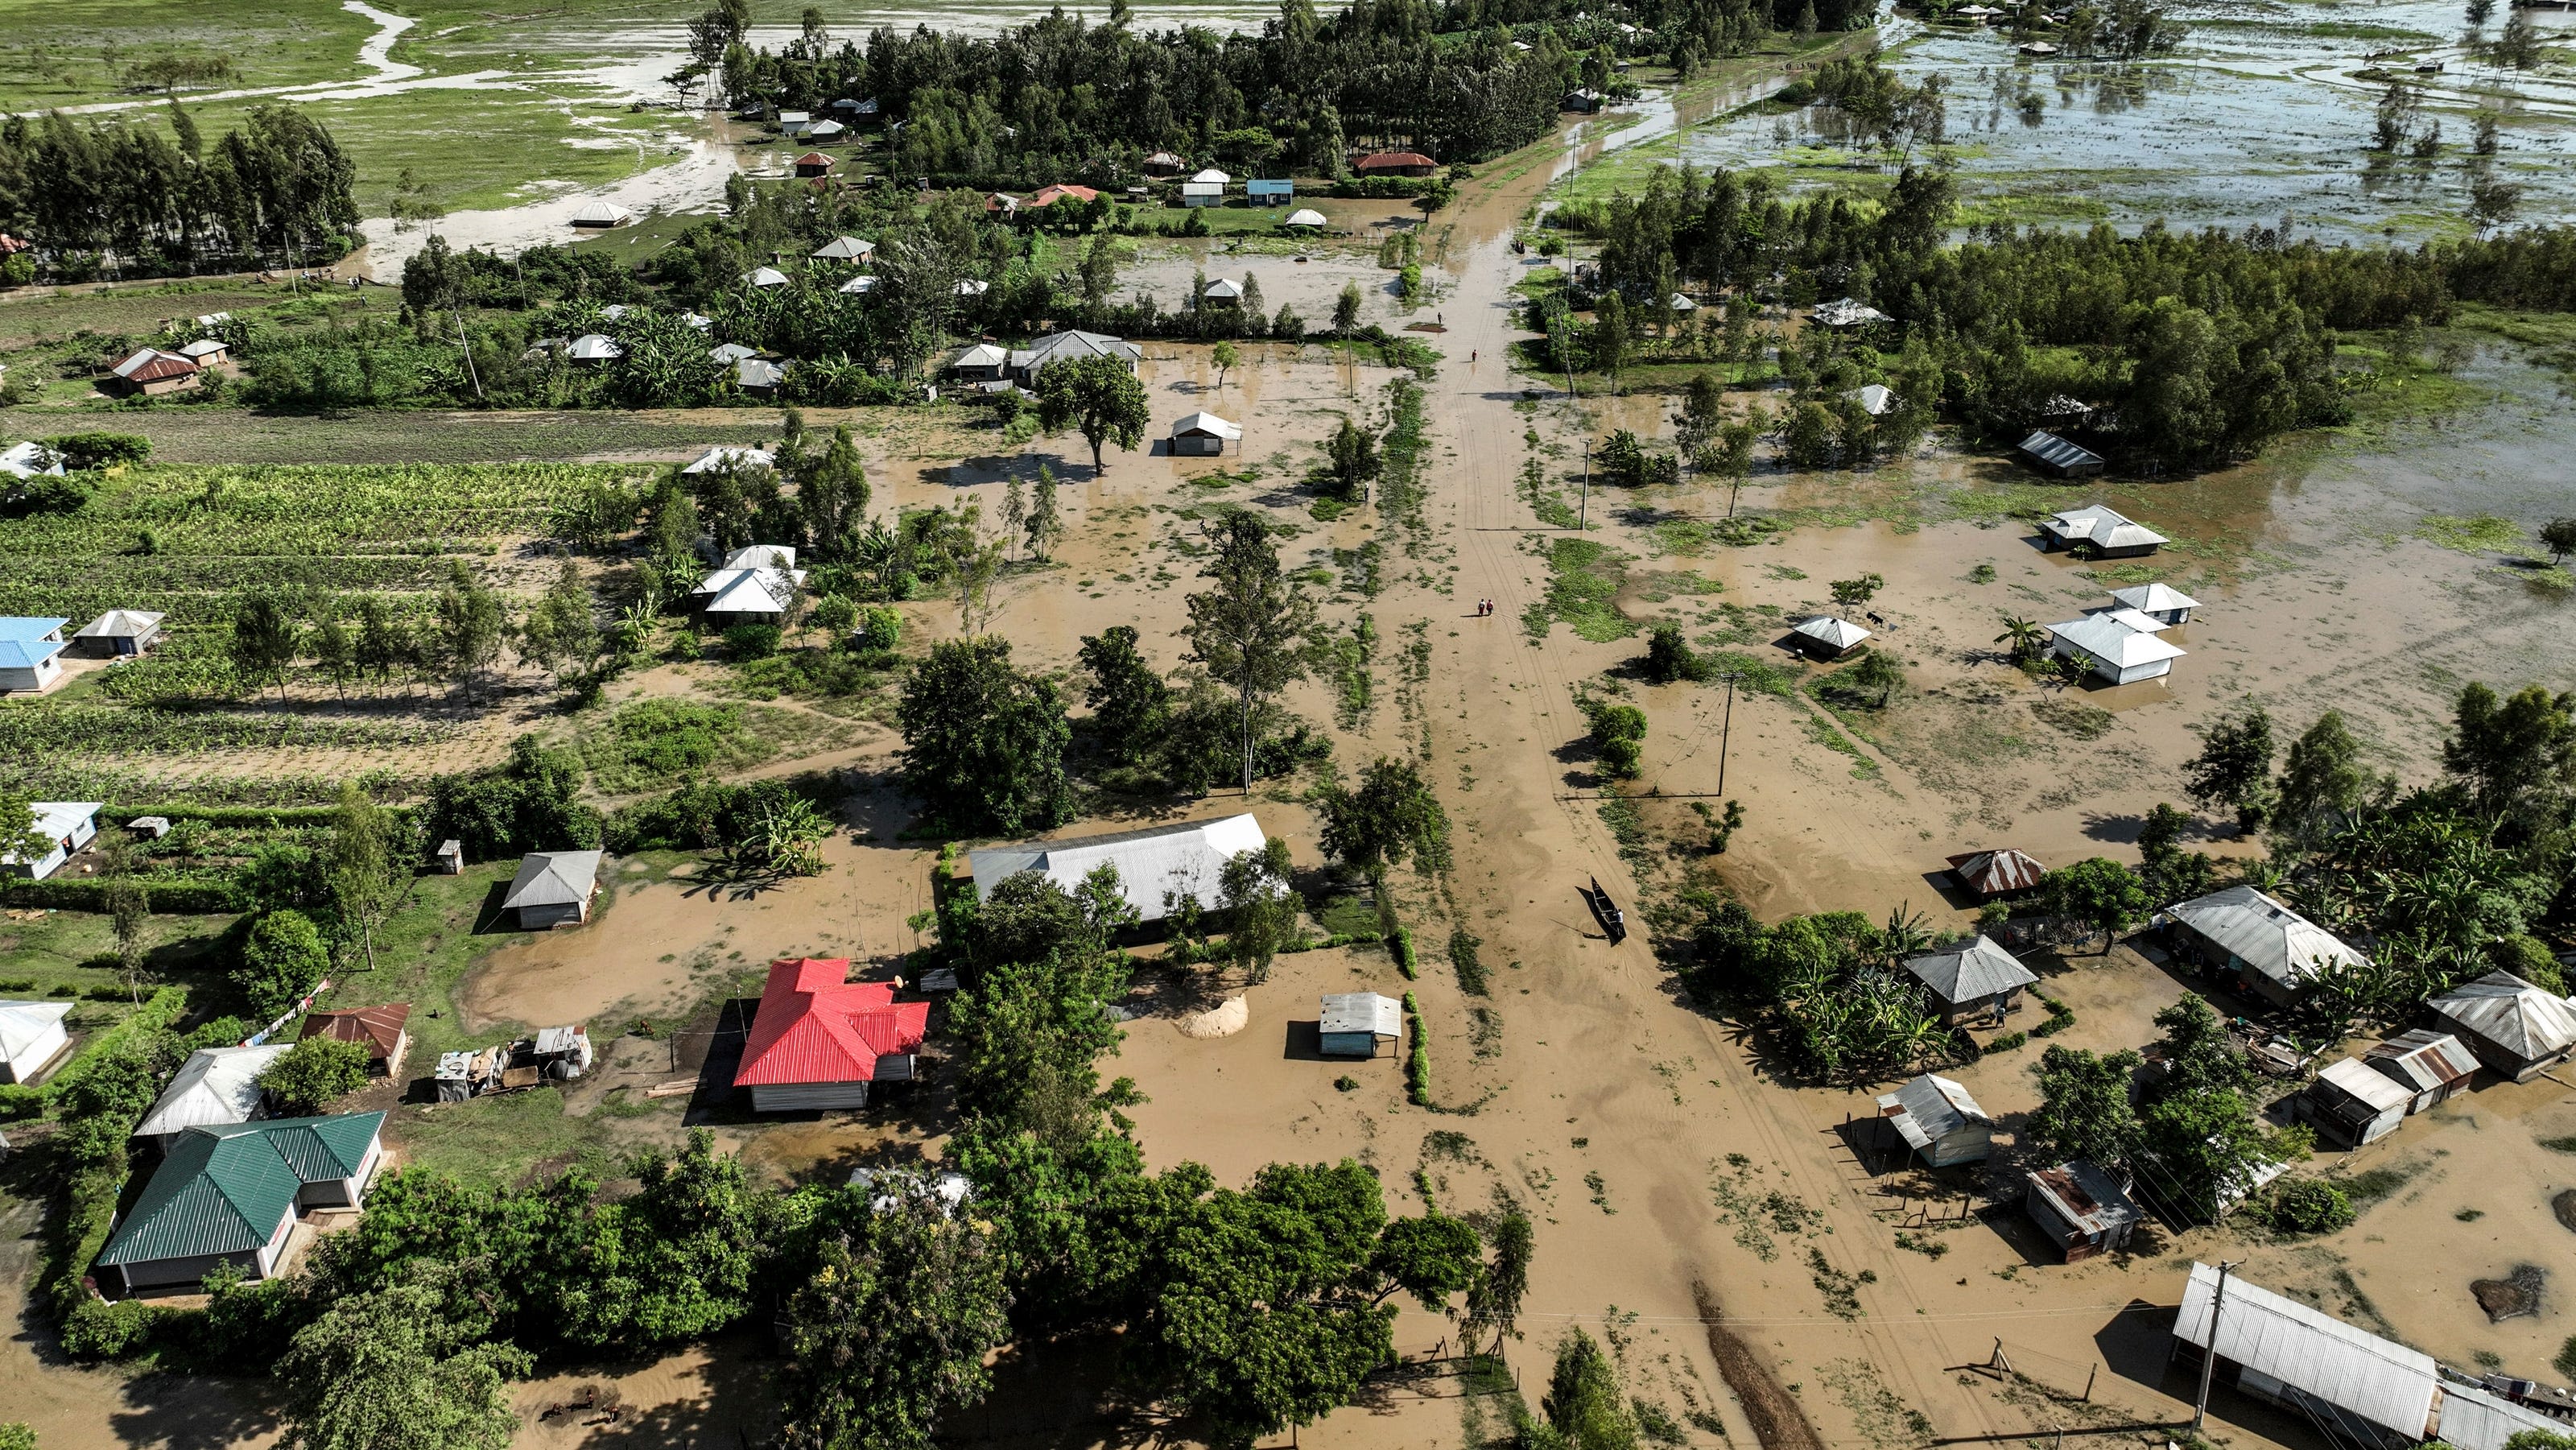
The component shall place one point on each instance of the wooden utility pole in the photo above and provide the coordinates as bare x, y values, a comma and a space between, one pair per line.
2209, 1351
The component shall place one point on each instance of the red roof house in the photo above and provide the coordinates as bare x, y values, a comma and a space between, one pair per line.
819, 1039
1062, 191
150, 372
1394, 163
813, 164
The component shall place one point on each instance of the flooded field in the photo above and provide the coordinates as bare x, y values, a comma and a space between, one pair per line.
2259, 116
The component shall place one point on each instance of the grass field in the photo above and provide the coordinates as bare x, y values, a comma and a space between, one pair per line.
212, 435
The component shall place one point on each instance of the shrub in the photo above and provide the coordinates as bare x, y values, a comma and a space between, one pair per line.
1401, 943
282, 956
880, 628
84, 451
1417, 1059
313, 1073
751, 641
2309, 1206
1462, 957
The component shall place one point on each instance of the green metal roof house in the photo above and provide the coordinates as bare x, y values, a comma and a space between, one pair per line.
230, 1193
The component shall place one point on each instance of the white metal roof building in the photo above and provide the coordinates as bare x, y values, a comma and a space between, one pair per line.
31, 458
553, 887
2352, 1105
2431, 1066
215, 1086
860, 285
1210, 177
1972, 977
1352, 1024
1069, 346
2110, 532
844, 249
1204, 433
2114, 650
1939, 1119
2514, 1027
986, 358
2276, 951
1827, 636
756, 374
1304, 217
2170, 605
601, 214
1847, 312
2476, 1418
724, 456
2287, 1351
764, 277
1183, 860
70, 825
1223, 289
594, 347
1874, 398
729, 353
31, 1035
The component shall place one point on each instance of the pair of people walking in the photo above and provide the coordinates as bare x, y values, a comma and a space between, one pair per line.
1484, 607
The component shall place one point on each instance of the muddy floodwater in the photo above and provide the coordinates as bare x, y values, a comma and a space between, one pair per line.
2260, 114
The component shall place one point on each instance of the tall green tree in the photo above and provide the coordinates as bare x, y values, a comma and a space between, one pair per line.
1584, 1404
2099, 892
282, 957
1248, 628
473, 622
315, 1073
2084, 1108
2517, 753
1128, 701
1352, 460
1254, 891
370, 864
2322, 779
1391, 818
403, 1368
265, 638
983, 743
1097, 397
2234, 766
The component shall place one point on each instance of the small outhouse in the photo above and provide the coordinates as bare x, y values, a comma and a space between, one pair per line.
1354, 1023
1938, 1119
2351, 1105
2081, 1208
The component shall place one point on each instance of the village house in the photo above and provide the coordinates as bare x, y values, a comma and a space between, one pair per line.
1153, 864
1825, 637
820, 1040
1394, 163
983, 362
149, 373
2103, 531
757, 582
844, 249
215, 1087
379, 1030
1204, 434
1055, 347
2358, 1388
2112, 650
1305, 219
759, 377
860, 285
2081, 1208
1939, 1120
1163, 163
69, 825
32, 1035
2056, 457
1583, 102
30, 653
727, 354
553, 888
762, 278
1202, 193
1987, 875
120, 634
231, 1194
725, 456
2515, 1028
813, 166
1972, 981
1224, 291
1049, 195
593, 348
1847, 312
2269, 950
1352, 1024
206, 352
2351, 1105
601, 215
1270, 191
2165, 605
2433, 1067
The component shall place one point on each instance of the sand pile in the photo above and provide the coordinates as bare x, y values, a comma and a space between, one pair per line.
1222, 1020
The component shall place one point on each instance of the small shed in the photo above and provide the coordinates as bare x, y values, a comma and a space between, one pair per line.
32, 1035
1874, 398
1204, 434
1971, 981
2081, 1208
2432, 1066
594, 348
764, 277
207, 352
813, 166
1938, 1119
2514, 1027
1826, 637
1275, 191
553, 888
1225, 290
1201, 193
2056, 457
30, 652
2351, 1105
380, 1030
449, 858
149, 828
2003, 872
1305, 218
2166, 605
827, 133
120, 633
601, 215
1583, 102
1354, 1023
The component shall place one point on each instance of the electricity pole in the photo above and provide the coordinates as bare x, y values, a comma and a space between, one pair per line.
1726, 733
2209, 1352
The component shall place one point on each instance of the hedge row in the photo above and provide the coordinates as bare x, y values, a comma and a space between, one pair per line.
1417, 1059
1401, 943
178, 898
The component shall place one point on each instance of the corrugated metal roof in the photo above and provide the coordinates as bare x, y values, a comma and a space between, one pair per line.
1184, 859
1842, 634
2474, 1418
23, 1024
2424, 1059
1977, 970
378, 1029
2268, 937
2085, 1196
2100, 524
816, 1026
2154, 598
121, 624
1208, 423
1362, 1012
2511, 1013
223, 1190
2374, 1090
553, 878
215, 1086
2056, 452
1929, 1108
2311, 1350
1995, 872
2114, 643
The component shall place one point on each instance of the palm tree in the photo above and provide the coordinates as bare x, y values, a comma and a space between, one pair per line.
2023, 635
1906, 934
